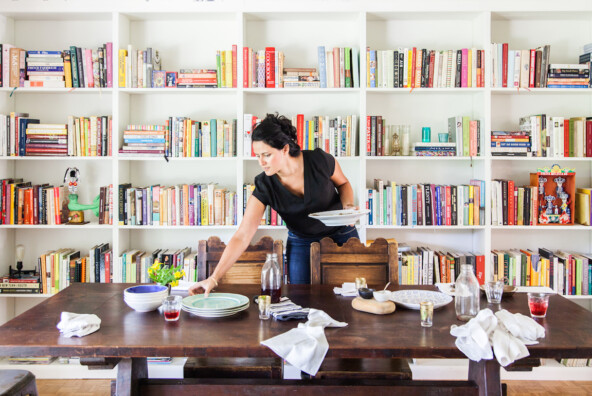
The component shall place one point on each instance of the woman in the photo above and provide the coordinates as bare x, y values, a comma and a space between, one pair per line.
295, 183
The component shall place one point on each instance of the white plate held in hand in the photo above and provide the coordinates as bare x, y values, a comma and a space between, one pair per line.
339, 217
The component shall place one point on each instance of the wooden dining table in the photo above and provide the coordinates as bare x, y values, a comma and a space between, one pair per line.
128, 337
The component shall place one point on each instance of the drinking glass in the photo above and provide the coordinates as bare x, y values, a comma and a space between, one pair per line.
426, 312
494, 291
538, 304
172, 308
264, 302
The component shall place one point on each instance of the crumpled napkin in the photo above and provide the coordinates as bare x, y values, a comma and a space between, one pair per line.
305, 347
79, 325
473, 337
348, 289
507, 333
522, 327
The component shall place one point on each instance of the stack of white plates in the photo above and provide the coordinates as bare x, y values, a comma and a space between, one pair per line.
217, 305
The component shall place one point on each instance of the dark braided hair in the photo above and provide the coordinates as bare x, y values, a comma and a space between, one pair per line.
276, 131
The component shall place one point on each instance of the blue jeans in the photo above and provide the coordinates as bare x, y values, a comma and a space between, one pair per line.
298, 253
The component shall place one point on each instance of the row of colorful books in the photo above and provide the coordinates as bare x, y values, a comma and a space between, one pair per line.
335, 135
543, 135
567, 273
181, 137
426, 266
513, 205
59, 268
142, 69
426, 204
270, 216
21, 135
132, 266
181, 205
425, 68
527, 68
26, 203
75, 67
337, 68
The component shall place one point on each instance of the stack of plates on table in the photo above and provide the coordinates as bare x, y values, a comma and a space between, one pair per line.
217, 305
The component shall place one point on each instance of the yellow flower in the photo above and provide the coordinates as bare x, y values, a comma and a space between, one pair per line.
175, 283
183, 273
150, 271
178, 275
155, 266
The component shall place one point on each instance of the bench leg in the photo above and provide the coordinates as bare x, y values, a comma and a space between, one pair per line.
486, 375
129, 373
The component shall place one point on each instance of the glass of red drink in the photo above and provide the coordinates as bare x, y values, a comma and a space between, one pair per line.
538, 304
172, 308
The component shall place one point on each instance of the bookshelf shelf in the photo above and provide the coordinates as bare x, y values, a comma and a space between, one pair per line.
24, 295
427, 228
543, 159
308, 91
455, 91
538, 228
178, 91
541, 91
157, 228
57, 226
414, 158
179, 159
22, 90
72, 158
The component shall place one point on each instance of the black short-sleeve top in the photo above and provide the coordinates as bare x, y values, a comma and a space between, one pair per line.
319, 195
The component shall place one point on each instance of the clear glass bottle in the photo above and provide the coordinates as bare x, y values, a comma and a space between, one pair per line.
466, 300
271, 278
405, 140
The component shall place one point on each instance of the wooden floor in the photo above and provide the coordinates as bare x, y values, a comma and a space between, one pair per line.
515, 388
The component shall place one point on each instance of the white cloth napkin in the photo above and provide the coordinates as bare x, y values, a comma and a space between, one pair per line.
305, 347
507, 333
473, 337
522, 327
79, 325
348, 289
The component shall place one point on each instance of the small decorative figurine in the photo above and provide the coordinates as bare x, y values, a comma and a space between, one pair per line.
396, 145
556, 189
76, 215
157, 61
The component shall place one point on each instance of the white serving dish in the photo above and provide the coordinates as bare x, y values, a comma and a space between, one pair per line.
339, 217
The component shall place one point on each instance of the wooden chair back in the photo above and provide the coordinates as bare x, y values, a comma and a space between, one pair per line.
247, 268
331, 264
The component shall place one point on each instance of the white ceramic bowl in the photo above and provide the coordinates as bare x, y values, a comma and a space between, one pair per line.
142, 306
382, 295
151, 299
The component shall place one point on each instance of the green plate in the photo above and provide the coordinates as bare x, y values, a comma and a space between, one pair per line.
215, 301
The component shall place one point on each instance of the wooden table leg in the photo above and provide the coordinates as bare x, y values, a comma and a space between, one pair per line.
486, 375
129, 373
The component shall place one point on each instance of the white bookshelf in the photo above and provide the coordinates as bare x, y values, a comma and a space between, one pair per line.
188, 33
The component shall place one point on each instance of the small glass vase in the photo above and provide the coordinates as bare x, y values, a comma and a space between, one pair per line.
466, 290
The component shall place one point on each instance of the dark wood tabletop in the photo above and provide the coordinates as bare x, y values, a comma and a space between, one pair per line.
126, 333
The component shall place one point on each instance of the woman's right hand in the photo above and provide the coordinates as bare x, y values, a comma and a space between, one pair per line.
207, 285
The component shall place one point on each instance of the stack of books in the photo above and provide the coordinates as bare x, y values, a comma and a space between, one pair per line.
568, 76
25, 284
434, 149
197, 78
301, 77
45, 69
510, 143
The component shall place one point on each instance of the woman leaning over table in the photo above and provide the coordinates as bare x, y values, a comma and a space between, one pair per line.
295, 183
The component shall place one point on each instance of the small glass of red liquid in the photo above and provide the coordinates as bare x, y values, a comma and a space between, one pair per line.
538, 304
172, 308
